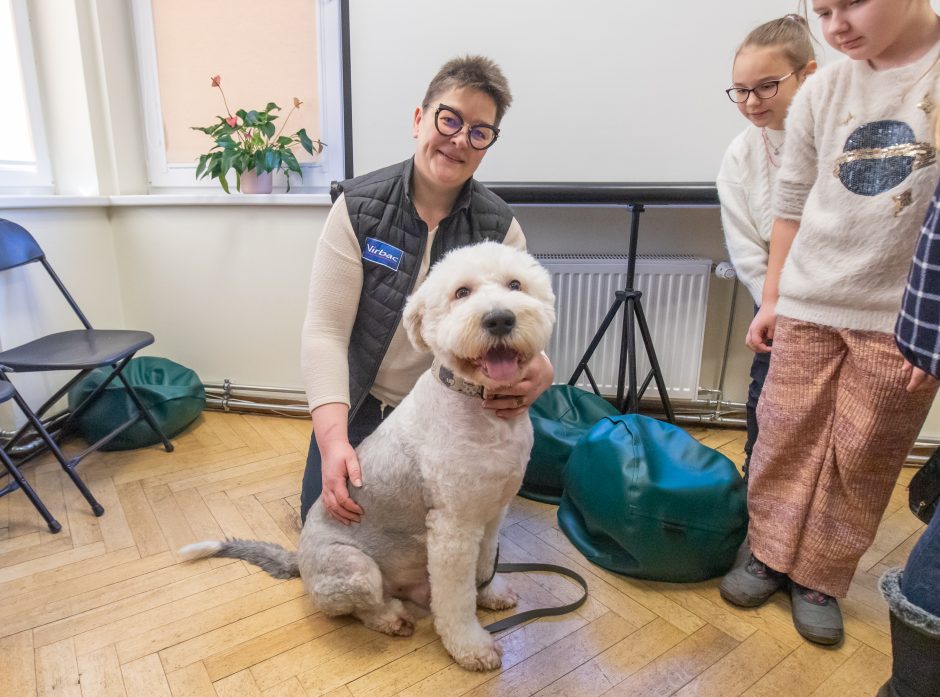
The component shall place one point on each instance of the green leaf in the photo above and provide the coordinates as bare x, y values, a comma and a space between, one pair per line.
201, 166
290, 161
272, 106
241, 113
285, 141
268, 129
224, 183
251, 118
228, 157
272, 160
305, 141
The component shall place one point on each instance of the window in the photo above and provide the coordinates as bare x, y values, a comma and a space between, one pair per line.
264, 52
24, 158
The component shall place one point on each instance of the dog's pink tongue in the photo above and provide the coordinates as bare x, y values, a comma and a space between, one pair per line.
500, 364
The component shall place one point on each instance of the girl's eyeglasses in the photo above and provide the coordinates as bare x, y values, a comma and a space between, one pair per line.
765, 90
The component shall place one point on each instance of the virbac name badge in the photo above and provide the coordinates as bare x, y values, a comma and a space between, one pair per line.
382, 253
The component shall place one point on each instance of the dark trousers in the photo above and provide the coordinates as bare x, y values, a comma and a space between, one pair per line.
921, 581
759, 367
366, 420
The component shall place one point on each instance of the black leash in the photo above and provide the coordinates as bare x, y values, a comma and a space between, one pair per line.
521, 617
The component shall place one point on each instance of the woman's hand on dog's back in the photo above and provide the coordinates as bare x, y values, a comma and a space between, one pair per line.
339, 462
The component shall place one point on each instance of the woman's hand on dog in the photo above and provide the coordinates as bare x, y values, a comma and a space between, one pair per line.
339, 464
514, 400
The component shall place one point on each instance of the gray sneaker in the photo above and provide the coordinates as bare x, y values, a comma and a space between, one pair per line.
750, 583
816, 615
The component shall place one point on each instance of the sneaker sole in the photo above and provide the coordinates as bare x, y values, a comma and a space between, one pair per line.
745, 601
822, 639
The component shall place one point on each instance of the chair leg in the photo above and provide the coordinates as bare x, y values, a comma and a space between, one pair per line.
96, 507
54, 525
145, 412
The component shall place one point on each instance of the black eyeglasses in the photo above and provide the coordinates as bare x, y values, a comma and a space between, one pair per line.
449, 123
765, 90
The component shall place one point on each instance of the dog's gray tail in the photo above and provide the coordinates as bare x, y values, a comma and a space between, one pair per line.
277, 561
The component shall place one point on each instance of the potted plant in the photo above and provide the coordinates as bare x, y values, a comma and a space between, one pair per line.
249, 143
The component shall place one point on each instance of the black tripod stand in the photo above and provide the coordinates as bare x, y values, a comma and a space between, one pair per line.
629, 300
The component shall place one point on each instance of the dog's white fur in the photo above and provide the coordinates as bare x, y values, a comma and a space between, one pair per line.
439, 472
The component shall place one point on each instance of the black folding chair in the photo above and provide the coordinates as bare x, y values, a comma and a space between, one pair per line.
19, 481
81, 350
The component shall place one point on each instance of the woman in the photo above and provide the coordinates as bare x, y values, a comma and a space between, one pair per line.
381, 236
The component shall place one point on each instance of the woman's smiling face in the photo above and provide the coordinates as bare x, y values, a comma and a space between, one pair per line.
449, 161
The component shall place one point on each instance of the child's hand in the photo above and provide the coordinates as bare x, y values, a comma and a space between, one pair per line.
761, 330
919, 379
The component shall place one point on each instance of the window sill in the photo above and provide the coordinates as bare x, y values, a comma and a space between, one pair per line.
8, 202
51, 201
222, 199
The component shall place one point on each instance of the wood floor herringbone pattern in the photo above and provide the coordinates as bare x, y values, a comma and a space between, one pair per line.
105, 608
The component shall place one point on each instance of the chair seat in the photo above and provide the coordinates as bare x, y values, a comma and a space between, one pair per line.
79, 349
6, 391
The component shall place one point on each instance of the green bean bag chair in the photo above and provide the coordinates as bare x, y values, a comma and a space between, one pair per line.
645, 499
173, 393
560, 416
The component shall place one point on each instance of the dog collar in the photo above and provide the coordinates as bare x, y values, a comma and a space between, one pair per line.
453, 382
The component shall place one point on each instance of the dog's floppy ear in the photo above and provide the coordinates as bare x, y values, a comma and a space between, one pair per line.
414, 313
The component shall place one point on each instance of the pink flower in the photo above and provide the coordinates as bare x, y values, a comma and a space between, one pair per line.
217, 80
232, 121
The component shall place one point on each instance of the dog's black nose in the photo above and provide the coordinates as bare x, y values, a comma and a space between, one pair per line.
499, 322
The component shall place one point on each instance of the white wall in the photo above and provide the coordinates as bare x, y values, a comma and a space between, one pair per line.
223, 289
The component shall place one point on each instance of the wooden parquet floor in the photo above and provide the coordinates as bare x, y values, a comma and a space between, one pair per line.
105, 608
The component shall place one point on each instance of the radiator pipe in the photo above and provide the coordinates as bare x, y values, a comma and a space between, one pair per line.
219, 396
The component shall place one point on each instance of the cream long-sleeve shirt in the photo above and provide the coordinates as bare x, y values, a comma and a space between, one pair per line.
858, 175
745, 183
332, 304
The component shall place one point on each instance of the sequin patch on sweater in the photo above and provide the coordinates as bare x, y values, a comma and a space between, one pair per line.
880, 155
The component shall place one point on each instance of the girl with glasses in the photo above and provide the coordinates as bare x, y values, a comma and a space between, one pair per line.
837, 420
383, 233
769, 67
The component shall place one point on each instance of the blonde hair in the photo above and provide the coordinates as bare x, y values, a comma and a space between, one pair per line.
789, 33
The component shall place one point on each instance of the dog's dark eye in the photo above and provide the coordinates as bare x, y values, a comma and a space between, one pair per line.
462, 292
515, 285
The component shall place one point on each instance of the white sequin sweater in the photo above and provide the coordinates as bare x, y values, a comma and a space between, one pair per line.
858, 174
745, 182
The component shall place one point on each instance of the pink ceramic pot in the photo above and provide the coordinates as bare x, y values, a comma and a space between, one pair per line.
252, 183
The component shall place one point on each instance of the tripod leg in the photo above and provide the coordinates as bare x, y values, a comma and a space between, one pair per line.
654, 362
595, 342
630, 403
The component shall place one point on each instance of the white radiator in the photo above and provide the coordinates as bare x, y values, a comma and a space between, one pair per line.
675, 297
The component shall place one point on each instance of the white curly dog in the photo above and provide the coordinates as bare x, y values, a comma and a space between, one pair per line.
439, 472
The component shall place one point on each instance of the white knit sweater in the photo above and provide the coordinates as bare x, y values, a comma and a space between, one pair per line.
858, 174
745, 182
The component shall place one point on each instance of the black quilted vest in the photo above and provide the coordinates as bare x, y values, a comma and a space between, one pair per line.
380, 208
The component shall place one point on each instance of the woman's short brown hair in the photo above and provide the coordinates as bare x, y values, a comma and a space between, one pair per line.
471, 72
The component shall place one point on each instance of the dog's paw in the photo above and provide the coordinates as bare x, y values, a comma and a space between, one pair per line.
476, 651
392, 619
497, 595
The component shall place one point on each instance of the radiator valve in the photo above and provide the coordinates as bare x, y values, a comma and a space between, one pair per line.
725, 270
